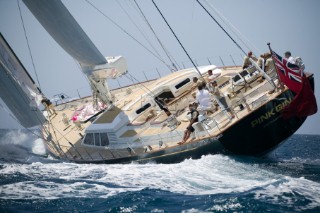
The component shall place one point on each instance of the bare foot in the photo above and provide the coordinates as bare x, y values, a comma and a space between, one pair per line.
180, 143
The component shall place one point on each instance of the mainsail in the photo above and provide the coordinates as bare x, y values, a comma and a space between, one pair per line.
63, 28
17, 88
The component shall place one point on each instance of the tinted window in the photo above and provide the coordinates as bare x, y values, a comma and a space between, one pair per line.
104, 139
88, 139
143, 108
182, 83
97, 139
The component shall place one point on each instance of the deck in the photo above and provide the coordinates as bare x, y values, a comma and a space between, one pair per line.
64, 137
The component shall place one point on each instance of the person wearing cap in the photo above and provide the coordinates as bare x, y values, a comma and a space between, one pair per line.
246, 61
289, 58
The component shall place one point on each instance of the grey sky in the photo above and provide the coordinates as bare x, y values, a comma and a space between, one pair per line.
288, 24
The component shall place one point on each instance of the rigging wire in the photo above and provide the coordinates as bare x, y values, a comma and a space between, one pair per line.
138, 82
233, 28
139, 29
26, 36
255, 64
14, 118
154, 33
8, 71
221, 27
20, 93
178, 39
123, 30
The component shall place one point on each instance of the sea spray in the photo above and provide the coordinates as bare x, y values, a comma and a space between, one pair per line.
280, 182
21, 145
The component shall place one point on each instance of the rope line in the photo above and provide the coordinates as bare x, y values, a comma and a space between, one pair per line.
123, 30
233, 28
139, 29
154, 33
221, 27
177, 39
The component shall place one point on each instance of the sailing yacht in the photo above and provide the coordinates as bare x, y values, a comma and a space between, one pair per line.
133, 124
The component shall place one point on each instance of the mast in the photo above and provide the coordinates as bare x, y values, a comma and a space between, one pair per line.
65, 30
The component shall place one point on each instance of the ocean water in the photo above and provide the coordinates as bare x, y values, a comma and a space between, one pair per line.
286, 180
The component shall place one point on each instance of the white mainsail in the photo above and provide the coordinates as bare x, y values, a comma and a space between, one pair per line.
65, 30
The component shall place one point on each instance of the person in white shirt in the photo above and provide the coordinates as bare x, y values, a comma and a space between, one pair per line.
203, 98
289, 58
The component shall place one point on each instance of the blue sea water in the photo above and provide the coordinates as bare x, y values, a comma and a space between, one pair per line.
286, 180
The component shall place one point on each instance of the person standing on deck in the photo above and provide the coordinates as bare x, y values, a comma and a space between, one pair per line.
289, 58
269, 66
194, 83
262, 61
246, 62
48, 106
221, 100
203, 97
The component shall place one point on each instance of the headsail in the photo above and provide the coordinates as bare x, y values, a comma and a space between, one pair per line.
17, 88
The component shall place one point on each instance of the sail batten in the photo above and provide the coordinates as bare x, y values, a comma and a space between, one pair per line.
65, 30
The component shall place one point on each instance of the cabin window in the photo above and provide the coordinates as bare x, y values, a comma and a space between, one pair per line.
96, 139
142, 109
104, 139
88, 140
182, 83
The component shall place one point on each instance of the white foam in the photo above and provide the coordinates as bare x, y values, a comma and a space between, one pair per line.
216, 174
21, 146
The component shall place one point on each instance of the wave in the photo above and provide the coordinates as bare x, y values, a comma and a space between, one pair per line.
21, 146
210, 175
279, 179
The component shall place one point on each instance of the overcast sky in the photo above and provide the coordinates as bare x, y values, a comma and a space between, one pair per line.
288, 24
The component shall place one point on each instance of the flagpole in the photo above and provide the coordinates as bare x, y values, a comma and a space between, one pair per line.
274, 64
